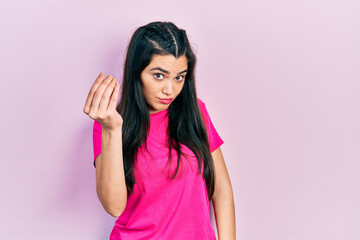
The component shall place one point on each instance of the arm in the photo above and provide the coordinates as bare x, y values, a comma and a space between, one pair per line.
100, 105
110, 178
223, 200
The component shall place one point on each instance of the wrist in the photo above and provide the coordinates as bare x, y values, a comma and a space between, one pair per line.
112, 131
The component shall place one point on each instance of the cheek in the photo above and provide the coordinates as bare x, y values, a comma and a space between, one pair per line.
151, 90
146, 85
147, 94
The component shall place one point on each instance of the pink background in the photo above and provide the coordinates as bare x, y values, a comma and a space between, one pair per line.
280, 79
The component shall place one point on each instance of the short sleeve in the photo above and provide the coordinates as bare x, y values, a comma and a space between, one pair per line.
215, 140
97, 129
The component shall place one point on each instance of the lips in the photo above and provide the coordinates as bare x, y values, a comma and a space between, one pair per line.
165, 100
168, 99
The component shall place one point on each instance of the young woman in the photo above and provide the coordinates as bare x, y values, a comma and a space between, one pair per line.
157, 154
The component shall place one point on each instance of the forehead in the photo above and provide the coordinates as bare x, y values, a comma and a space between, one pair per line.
168, 62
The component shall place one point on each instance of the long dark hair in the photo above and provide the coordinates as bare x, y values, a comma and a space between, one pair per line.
185, 122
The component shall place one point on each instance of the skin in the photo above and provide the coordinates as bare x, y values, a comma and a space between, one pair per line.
158, 84
110, 178
223, 199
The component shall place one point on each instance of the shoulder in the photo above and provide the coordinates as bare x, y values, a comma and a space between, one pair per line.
202, 108
200, 101
201, 104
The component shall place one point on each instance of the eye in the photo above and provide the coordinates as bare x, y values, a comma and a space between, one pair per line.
182, 78
156, 75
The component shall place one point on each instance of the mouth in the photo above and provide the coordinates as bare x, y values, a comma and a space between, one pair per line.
169, 99
165, 100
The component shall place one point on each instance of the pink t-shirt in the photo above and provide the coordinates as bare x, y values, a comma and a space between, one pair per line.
161, 208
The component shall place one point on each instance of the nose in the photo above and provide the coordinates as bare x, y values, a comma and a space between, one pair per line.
168, 87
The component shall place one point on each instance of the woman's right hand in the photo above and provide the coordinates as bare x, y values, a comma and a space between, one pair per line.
101, 102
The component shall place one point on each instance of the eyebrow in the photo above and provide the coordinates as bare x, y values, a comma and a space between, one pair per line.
160, 69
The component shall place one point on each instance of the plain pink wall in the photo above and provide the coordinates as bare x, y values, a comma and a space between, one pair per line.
280, 79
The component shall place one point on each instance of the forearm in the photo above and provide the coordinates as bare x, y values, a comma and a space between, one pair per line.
224, 209
110, 178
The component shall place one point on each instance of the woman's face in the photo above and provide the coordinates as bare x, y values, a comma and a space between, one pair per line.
163, 79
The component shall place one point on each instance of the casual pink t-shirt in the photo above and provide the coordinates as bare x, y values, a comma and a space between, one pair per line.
161, 208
